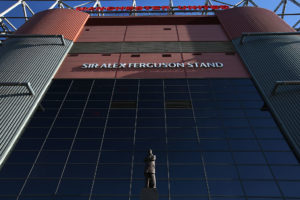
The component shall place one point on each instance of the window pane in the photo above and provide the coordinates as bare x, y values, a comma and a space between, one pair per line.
221, 172
29, 144
10, 187
83, 157
154, 133
15, 170
62, 133
290, 189
287, 172
75, 186
225, 188
255, 172
87, 144
186, 171
249, 157
185, 157
47, 170
181, 132
191, 187
36, 186
52, 156
261, 188
119, 132
114, 171
112, 187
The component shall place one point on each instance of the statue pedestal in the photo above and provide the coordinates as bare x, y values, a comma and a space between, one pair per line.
149, 194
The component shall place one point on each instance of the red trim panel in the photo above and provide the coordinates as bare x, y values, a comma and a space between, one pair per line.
251, 19
66, 22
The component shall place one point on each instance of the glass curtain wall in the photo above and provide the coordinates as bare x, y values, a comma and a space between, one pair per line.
212, 139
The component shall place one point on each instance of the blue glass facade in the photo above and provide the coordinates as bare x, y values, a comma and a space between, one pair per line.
210, 136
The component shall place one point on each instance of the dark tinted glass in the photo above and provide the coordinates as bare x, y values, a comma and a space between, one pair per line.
211, 139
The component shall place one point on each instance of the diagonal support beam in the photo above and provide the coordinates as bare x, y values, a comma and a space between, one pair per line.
10, 8
24, 10
224, 3
133, 5
295, 2
275, 10
66, 5
283, 9
171, 5
98, 4
83, 4
246, 3
298, 22
253, 3
239, 3
10, 23
28, 7
53, 5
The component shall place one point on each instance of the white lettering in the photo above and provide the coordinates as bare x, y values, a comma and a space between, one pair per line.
172, 65
203, 65
219, 64
211, 65
84, 66
190, 65
152, 65
103, 66
115, 66
180, 64
122, 65
149, 65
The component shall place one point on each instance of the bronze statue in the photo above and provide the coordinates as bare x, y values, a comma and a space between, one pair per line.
149, 172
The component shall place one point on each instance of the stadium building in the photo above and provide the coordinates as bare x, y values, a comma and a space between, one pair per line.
215, 96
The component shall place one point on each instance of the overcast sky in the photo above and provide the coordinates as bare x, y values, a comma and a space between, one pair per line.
42, 5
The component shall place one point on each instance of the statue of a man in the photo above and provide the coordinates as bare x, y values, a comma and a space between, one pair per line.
149, 172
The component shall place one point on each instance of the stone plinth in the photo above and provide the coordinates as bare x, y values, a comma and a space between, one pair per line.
149, 194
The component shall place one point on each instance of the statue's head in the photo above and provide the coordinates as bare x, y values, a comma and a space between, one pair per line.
150, 151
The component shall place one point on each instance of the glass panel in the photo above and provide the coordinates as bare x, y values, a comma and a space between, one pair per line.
47, 171
79, 171
40, 186
261, 188
255, 172
15, 170
286, 172
10, 187
114, 171
220, 138
112, 187
190, 187
186, 171
75, 186
232, 188
290, 189
221, 172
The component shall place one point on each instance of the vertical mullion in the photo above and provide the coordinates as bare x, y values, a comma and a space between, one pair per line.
34, 163
103, 135
167, 149
199, 142
70, 151
133, 148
